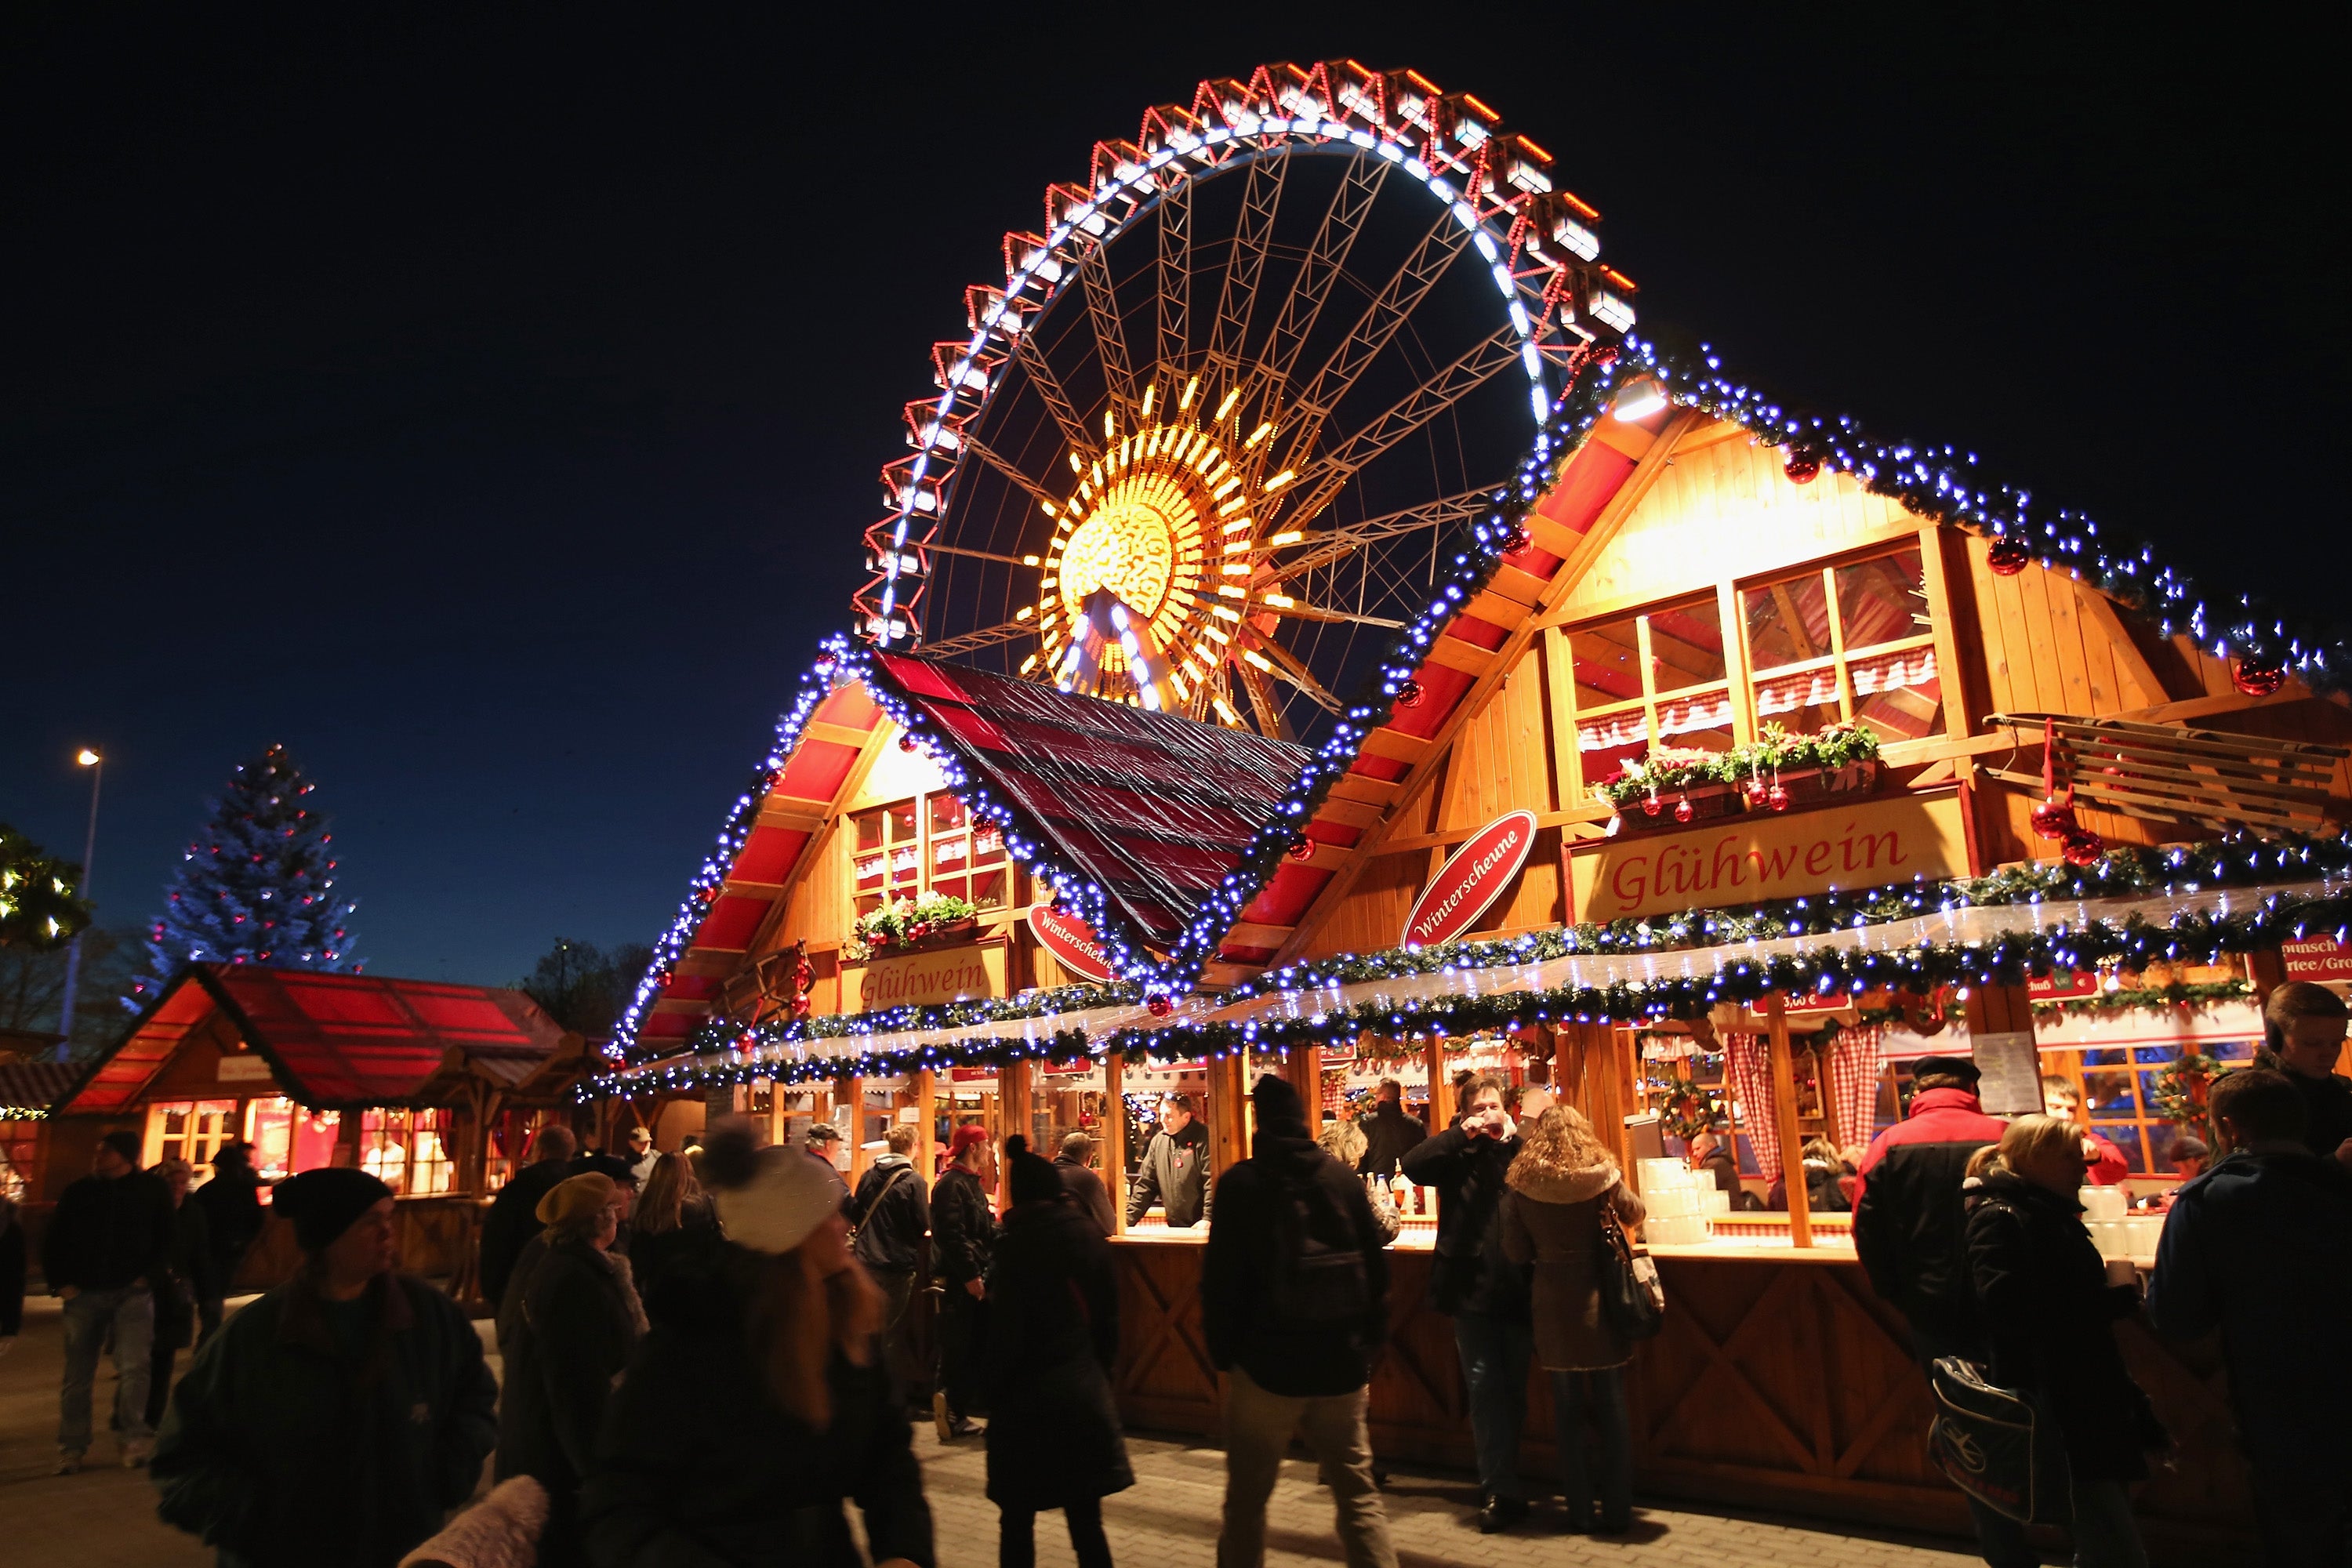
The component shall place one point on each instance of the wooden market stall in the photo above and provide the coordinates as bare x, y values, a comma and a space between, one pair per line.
432, 1087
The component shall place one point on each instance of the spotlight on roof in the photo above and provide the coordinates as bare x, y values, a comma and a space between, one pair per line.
1639, 399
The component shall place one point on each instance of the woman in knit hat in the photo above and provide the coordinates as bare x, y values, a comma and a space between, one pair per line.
759, 1403
578, 1320
333, 1422
1053, 1437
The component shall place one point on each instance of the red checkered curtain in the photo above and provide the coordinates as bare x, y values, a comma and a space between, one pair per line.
1748, 1063
1855, 1067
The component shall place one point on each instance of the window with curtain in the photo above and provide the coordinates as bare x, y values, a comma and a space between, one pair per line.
928, 843
1653, 679
1855, 640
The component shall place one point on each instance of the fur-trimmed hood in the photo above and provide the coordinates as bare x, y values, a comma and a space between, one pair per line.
1547, 1183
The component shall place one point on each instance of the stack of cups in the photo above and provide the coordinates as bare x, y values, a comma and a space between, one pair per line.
1678, 1201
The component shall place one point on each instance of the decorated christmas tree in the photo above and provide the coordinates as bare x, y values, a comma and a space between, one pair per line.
255, 887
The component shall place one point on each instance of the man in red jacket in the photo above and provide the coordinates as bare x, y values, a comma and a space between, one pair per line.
1910, 1232
2103, 1161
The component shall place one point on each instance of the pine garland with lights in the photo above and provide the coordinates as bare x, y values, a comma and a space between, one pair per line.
2149, 998
41, 908
256, 887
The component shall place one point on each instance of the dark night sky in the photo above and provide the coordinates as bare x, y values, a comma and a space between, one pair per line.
489, 408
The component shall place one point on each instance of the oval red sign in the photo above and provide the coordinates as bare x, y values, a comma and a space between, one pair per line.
1071, 941
1471, 880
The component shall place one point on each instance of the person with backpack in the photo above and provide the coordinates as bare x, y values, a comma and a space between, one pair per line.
1053, 1437
1294, 1303
892, 1212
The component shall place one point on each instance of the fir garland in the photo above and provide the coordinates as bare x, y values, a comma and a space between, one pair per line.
1773, 751
2150, 998
2184, 1087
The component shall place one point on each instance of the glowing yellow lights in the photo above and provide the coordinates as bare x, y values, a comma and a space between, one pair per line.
1290, 536
1148, 390
1225, 486
1260, 434
1233, 569
1077, 467
1279, 601
1029, 664
1184, 404
1241, 527
1028, 560
1250, 656
86, 757
1047, 507
1110, 424
1224, 711
1227, 406
1281, 478
1223, 614
1227, 591
1023, 613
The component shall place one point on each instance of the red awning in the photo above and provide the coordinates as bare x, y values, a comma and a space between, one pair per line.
331, 1040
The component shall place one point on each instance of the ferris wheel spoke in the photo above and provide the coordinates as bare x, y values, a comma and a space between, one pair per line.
1244, 264
1110, 335
1323, 479
1286, 664
1262, 701
987, 636
1322, 549
1299, 612
1326, 259
1008, 468
1048, 387
1373, 330
1175, 255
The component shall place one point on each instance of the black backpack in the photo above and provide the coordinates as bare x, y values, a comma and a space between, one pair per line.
1316, 1275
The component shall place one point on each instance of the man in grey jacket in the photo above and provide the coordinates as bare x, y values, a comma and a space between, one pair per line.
1074, 1165
1175, 1173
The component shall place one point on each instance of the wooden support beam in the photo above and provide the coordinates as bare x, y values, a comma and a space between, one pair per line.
2132, 664
922, 1092
1303, 1066
1012, 1115
1784, 1120
851, 1093
838, 734
1114, 1139
1440, 1088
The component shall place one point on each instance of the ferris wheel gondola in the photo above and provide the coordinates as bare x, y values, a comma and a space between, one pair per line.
1200, 448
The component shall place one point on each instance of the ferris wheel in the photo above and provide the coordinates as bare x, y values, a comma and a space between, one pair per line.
1203, 447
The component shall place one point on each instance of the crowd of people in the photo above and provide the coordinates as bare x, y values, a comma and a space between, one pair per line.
708, 1354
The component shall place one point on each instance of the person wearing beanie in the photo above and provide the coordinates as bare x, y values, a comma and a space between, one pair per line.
1053, 1438
335, 1421
1294, 1303
760, 1402
963, 1237
577, 1320
108, 1244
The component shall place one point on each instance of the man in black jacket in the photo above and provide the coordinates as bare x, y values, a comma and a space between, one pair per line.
1389, 1133
963, 1236
231, 1202
2303, 1028
108, 1243
1294, 1302
893, 1214
1484, 1292
1075, 1166
513, 1218
1175, 1170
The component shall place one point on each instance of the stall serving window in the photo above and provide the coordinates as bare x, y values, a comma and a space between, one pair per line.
928, 843
407, 1151
191, 1130
2118, 1085
1849, 639
19, 1141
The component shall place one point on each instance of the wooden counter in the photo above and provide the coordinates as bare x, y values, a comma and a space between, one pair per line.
1780, 1382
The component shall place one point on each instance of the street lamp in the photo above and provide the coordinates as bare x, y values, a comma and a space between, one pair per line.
97, 765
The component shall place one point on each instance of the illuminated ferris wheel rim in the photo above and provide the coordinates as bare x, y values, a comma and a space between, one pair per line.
1536, 302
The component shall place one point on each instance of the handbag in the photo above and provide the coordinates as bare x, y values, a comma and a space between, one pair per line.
1633, 1297
1996, 1446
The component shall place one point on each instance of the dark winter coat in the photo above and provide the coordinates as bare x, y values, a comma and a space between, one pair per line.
698, 1468
1175, 1175
1722, 1167
1086, 1191
513, 1220
1389, 1136
578, 1323
283, 1447
189, 1279
107, 1231
1052, 1332
2260, 1246
233, 1216
892, 1212
963, 1226
2049, 1316
12, 1271
1238, 1316
1822, 1193
1469, 1272
656, 1257
1910, 1227
2327, 1108
1551, 1220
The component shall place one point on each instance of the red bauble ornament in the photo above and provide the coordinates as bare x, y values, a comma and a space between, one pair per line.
708, 895
1650, 805
2054, 818
907, 743
1409, 695
1777, 797
2008, 556
2084, 848
1301, 848
1802, 467
1682, 812
1515, 539
1160, 1006
2257, 677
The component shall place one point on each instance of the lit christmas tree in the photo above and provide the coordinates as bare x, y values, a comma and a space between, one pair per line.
256, 887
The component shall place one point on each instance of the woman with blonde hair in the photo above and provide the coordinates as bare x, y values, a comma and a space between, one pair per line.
1562, 1183
1347, 1142
2050, 1305
759, 1403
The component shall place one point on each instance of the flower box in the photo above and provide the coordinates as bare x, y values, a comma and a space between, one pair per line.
1813, 786
1707, 801
945, 934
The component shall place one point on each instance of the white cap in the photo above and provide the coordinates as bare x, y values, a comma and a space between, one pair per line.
778, 1209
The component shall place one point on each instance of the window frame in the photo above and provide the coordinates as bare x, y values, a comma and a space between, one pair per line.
967, 832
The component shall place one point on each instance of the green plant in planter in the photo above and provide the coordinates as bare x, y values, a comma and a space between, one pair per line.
903, 922
1664, 770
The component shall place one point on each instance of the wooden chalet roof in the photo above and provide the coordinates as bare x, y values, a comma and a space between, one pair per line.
332, 1041
31, 1087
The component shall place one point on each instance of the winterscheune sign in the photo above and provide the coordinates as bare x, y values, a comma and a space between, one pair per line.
1071, 941
1756, 857
1470, 881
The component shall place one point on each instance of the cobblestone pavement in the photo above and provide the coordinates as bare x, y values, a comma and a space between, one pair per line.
105, 1517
